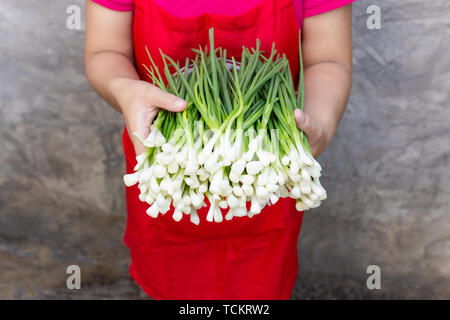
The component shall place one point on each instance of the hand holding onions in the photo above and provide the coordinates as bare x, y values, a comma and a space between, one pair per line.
236, 142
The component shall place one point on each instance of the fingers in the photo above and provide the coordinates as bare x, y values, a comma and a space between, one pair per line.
138, 146
165, 100
136, 138
138, 122
305, 123
315, 133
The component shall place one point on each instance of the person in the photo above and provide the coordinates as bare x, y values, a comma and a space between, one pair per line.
245, 258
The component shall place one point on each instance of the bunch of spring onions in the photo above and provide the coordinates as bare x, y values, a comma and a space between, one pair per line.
236, 145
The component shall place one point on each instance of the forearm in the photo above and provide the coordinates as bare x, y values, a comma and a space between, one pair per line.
327, 88
110, 69
107, 72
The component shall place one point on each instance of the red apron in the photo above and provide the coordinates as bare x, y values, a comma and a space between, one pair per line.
245, 258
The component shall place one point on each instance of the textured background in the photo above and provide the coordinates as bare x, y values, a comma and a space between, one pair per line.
386, 172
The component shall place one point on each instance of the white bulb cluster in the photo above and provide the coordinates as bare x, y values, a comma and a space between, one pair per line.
226, 173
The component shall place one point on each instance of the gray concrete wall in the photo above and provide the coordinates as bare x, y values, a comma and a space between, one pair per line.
386, 172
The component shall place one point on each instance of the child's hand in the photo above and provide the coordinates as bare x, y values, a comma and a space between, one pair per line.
314, 130
140, 102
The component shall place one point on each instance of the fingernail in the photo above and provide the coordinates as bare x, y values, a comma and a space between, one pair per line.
179, 103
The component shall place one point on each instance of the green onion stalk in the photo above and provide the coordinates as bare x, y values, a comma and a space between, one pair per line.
236, 142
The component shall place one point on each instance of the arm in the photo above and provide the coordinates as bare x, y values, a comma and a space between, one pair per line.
327, 56
110, 69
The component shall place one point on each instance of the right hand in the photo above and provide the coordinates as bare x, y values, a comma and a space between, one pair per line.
140, 102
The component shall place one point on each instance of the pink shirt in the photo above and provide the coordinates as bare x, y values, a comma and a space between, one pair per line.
192, 8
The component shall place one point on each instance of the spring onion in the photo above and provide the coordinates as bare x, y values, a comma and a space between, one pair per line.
236, 142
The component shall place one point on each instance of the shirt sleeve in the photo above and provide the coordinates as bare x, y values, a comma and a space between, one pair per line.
315, 7
117, 5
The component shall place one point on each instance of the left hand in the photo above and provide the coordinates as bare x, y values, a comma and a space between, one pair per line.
314, 130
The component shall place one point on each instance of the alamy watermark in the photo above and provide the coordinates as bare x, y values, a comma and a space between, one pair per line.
374, 280
373, 22
74, 280
74, 18
74, 21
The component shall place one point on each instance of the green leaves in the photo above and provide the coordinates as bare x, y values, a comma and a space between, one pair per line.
256, 93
